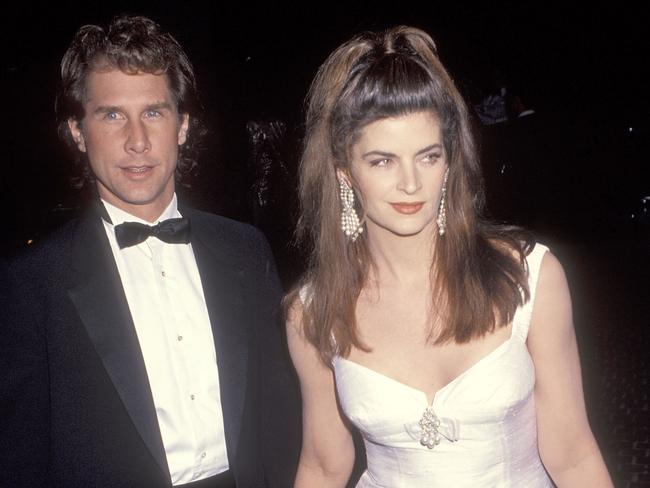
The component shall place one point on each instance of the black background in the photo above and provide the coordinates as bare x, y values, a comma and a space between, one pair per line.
580, 67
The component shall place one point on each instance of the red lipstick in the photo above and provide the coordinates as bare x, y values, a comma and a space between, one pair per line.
407, 208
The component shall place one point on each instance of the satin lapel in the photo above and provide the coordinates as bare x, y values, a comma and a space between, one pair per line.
99, 298
223, 289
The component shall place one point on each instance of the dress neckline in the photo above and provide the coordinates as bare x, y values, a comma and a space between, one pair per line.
493, 353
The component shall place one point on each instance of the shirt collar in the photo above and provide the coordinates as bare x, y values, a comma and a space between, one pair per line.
119, 216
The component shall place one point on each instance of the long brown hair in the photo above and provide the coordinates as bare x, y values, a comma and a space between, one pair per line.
478, 271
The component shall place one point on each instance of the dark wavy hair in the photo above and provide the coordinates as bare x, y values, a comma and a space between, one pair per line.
478, 271
131, 44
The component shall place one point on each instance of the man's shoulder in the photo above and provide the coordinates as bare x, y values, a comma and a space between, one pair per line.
208, 218
47, 265
51, 249
224, 229
237, 244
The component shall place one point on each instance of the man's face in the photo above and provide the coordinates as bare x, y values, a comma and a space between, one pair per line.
131, 132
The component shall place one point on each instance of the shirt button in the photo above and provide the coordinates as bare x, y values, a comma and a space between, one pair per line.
192, 396
180, 338
203, 455
163, 273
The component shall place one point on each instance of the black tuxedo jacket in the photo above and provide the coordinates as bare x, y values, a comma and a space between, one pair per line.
76, 408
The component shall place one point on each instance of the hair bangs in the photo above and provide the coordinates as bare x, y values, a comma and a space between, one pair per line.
391, 85
395, 85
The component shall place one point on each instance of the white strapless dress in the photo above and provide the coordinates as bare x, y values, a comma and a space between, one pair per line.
484, 419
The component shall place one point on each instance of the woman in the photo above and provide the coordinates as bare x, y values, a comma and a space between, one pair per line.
417, 320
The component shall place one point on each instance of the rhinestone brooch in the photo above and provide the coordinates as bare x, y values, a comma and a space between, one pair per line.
430, 424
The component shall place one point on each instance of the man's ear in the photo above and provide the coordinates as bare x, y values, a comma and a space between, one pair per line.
184, 127
77, 135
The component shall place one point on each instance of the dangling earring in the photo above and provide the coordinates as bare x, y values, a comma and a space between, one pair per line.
442, 213
349, 219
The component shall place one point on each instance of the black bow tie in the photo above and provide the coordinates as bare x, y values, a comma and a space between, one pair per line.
173, 231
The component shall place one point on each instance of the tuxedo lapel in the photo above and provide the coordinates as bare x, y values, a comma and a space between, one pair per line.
223, 290
99, 298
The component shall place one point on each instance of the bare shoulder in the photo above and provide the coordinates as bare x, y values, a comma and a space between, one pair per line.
551, 270
295, 314
304, 354
552, 286
552, 313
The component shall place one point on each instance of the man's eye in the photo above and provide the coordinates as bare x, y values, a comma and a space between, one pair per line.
431, 158
112, 116
152, 114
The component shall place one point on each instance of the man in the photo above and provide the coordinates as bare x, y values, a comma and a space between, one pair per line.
140, 344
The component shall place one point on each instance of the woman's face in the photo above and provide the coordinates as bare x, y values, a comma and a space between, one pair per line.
399, 165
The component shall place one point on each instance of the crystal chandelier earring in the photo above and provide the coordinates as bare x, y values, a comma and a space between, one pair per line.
350, 223
442, 212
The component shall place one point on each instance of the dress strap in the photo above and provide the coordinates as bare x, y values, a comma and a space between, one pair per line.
523, 314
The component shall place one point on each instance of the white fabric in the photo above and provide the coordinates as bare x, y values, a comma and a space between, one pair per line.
488, 424
165, 296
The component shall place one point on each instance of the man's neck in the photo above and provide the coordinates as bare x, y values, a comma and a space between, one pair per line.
125, 213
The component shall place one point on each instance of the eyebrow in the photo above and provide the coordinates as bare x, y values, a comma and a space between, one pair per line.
158, 106
391, 155
104, 109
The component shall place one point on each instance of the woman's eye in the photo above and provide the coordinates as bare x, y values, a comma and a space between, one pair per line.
380, 162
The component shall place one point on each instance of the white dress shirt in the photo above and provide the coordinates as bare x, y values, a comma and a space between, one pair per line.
165, 296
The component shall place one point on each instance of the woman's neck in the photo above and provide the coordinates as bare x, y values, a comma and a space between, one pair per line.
401, 260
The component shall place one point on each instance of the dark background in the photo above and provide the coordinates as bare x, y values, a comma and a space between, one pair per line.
580, 171
584, 69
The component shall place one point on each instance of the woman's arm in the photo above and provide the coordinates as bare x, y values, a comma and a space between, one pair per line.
566, 444
327, 453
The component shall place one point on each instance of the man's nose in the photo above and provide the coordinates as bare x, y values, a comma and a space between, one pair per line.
137, 140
